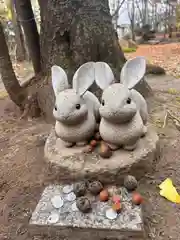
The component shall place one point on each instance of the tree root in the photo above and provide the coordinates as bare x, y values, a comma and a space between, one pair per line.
175, 120
31, 107
153, 69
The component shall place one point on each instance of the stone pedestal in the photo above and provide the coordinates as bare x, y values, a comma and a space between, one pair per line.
74, 225
71, 164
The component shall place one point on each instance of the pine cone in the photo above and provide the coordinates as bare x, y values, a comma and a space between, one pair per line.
130, 183
95, 187
80, 189
83, 204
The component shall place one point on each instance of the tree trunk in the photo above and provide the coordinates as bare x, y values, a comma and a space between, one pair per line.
26, 17
20, 51
9, 79
72, 33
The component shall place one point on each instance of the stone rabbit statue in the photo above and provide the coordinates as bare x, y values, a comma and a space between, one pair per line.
123, 110
76, 110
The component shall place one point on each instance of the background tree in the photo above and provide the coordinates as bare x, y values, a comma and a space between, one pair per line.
12, 86
20, 49
26, 17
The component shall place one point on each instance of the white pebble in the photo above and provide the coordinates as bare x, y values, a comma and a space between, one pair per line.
67, 189
53, 218
57, 201
74, 207
71, 197
111, 214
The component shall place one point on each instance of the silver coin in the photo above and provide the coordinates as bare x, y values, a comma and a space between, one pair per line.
111, 214
53, 218
74, 207
71, 197
67, 189
57, 201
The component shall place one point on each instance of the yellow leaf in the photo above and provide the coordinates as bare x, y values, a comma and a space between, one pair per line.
169, 191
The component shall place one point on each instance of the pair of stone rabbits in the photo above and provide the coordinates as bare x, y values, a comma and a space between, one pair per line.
122, 112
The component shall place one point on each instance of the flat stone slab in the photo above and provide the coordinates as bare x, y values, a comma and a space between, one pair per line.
72, 164
72, 224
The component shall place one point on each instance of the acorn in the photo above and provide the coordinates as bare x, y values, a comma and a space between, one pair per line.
83, 204
95, 187
93, 143
130, 183
104, 150
137, 198
80, 189
104, 196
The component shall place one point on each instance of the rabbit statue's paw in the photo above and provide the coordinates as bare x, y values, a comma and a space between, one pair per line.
144, 131
82, 144
68, 144
113, 147
130, 147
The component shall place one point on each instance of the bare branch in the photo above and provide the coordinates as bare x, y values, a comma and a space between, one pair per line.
118, 8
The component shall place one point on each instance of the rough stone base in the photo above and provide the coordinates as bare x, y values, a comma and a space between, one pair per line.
94, 225
71, 164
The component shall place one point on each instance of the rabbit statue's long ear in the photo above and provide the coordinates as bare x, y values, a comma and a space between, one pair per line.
133, 71
83, 78
59, 79
103, 75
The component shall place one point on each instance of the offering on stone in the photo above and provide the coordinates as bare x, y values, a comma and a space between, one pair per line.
137, 198
53, 218
130, 183
116, 199
111, 214
71, 197
117, 207
74, 207
57, 202
95, 187
83, 204
80, 189
104, 196
67, 189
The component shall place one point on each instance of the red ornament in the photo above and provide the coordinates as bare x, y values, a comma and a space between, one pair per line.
116, 199
137, 198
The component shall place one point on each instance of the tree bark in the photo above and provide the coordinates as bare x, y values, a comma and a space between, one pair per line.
11, 84
72, 33
26, 17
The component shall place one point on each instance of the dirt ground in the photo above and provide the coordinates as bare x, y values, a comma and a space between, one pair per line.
24, 173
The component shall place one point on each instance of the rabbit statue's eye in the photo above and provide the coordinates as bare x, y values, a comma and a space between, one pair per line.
78, 106
102, 102
55, 108
128, 101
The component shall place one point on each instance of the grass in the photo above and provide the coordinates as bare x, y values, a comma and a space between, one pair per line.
172, 91
129, 50
3, 94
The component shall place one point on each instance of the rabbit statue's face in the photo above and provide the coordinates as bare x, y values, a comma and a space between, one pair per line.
117, 105
69, 108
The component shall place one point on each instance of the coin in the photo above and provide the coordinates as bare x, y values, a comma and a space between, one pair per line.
57, 201
111, 214
70, 197
53, 218
67, 189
